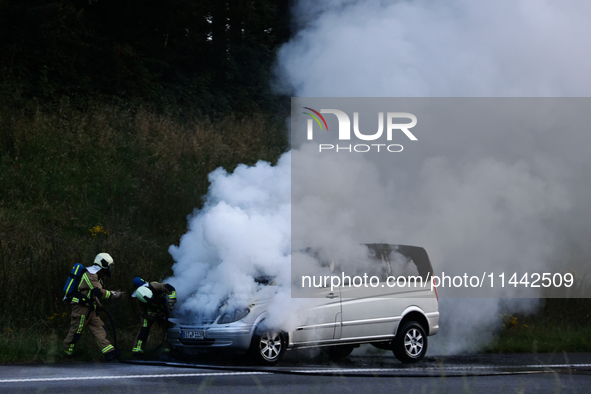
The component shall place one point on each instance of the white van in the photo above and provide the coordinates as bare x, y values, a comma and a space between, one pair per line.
397, 318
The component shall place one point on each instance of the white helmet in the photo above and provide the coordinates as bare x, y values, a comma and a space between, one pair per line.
144, 294
105, 261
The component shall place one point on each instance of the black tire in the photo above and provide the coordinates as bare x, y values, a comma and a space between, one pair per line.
336, 352
268, 347
410, 343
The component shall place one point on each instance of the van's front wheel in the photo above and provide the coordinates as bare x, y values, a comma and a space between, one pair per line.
268, 347
410, 344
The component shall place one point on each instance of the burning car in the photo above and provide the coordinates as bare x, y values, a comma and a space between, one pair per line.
392, 317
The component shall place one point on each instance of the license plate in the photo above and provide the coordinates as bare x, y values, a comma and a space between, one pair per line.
192, 334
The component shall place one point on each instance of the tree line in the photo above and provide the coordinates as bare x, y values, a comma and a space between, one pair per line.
212, 55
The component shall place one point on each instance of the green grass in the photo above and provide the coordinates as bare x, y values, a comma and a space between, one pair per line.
134, 173
542, 339
44, 344
561, 325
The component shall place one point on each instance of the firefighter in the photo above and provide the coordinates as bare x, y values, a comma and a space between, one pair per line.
155, 302
85, 303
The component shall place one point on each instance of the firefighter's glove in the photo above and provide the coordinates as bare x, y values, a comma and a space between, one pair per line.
96, 292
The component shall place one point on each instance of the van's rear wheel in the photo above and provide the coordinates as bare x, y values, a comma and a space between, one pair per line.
268, 347
410, 344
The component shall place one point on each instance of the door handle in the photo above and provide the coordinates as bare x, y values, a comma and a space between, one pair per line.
331, 295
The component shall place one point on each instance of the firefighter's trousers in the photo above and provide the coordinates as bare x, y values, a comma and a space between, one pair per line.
82, 316
142, 336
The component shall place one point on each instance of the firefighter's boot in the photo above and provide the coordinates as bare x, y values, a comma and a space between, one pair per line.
113, 354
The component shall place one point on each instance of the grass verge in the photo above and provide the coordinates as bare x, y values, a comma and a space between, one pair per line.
106, 178
561, 325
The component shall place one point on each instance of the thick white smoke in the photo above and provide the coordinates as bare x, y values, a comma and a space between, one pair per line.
429, 48
478, 196
498, 199
241, 233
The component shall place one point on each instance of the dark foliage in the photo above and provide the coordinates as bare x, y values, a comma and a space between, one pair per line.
209, 55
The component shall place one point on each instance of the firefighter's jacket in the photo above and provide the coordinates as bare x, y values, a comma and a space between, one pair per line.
164, 297
90, 287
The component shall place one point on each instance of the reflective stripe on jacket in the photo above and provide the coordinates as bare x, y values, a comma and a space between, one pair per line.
88, 282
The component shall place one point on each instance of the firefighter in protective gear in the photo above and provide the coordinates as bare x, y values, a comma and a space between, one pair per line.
85, 303
155, 302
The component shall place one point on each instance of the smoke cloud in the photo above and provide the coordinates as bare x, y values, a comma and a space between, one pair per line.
241, 233
425, 48
476, 195
491, 197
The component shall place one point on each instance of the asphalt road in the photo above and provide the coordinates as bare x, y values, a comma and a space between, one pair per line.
301, 373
